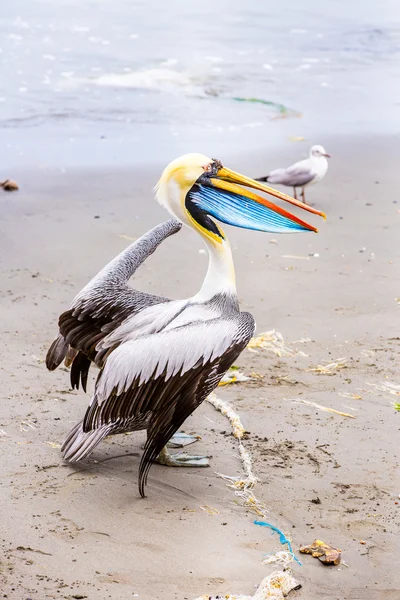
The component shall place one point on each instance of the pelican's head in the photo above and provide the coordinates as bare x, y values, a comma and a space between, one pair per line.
319, 151
197, 189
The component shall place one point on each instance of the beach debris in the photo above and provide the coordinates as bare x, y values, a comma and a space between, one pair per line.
54, 444
329, 368
274, 342
280, 583
351, 396
282, 538
321, 407
274, 587
283, 111
210, 510
234, 375
9, 185
386, 387
226, 410
396, 406
326, 553
296, 138
27, 424
282, 557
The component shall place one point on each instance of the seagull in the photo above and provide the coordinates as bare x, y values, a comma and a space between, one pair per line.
302, 173
159, 358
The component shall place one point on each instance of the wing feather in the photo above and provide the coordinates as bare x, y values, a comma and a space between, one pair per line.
161, 380
105, 302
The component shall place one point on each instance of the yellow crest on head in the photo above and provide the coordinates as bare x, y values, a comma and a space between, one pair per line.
185, 170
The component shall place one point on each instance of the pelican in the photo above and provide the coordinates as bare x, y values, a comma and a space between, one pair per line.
160, 358
302, 173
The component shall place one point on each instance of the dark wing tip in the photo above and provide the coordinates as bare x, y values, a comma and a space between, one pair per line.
56, 353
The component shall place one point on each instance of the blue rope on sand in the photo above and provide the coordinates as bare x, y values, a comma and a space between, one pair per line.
282, 537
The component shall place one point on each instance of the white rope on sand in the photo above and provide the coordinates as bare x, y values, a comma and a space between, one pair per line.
274, 587
277, 585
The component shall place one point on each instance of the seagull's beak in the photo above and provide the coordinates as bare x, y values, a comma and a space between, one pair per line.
225, 197
327, 155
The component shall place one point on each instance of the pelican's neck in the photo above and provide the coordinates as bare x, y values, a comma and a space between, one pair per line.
220, 276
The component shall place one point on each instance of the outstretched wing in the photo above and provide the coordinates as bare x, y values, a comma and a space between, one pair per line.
161, 378
103, 304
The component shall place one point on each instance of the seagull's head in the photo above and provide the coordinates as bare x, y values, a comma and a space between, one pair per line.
318, 151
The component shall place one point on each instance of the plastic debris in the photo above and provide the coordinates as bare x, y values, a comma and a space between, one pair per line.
283, 557
324, 408
274, 342
234, 376
330, 368
282, 537
9, 185
274, 587
282, 110
324, 552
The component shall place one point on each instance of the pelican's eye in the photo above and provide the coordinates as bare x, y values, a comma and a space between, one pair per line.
213, 167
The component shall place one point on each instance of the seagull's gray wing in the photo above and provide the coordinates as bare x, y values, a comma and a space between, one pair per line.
102, 305
295, 176
159, 380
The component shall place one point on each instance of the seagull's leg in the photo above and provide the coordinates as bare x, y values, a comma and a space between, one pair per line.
303, 196
181, 459
294, 193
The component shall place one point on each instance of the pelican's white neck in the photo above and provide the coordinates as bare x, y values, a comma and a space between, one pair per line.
220, 276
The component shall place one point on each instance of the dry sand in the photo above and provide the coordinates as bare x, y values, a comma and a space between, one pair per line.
83, 531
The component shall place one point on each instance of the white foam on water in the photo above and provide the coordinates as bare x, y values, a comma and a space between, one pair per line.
159, 79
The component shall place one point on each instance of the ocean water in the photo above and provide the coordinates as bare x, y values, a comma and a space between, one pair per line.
128, 82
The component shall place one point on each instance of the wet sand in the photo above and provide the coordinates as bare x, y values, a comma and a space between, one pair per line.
83, 531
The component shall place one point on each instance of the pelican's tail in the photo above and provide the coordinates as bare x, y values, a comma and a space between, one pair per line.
265, 178
80, 444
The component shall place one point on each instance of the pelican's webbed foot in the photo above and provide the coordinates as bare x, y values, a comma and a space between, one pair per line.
181, 459
180, 440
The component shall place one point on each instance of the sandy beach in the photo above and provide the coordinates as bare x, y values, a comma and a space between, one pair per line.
83, 531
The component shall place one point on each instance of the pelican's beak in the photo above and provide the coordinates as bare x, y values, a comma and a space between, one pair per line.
223, 196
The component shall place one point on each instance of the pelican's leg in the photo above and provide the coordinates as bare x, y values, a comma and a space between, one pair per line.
181, 459
294, 193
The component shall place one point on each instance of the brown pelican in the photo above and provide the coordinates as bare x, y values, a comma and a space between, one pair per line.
303, 173
160, 358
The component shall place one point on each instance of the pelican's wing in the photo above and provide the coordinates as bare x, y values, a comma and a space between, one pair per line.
103, 304
297, 175
161, 379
